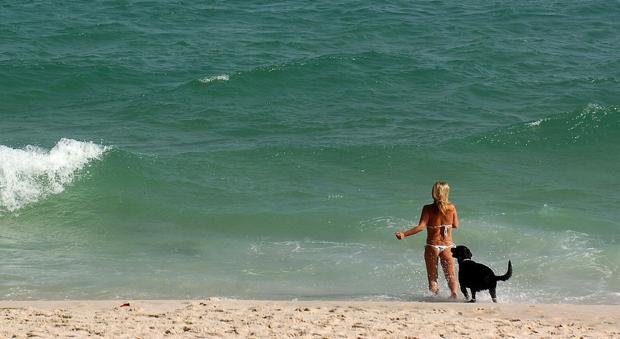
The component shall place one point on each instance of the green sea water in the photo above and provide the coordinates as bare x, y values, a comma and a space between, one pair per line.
159, 149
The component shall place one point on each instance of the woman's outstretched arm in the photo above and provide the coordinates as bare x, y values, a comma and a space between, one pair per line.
421, 226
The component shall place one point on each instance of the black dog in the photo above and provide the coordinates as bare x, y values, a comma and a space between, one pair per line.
476, 276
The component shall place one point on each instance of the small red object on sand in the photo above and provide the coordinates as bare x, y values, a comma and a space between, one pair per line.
125, 305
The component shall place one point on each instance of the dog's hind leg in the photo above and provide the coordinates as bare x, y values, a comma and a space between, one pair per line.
493, 295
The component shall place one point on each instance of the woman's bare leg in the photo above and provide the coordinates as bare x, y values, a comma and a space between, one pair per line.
430, 257
447, 263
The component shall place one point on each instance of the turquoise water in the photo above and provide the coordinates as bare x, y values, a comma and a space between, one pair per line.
154, 149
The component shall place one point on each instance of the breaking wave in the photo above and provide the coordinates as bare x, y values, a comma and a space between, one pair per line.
30, 174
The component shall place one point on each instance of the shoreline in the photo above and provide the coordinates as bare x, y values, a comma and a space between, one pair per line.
216, 317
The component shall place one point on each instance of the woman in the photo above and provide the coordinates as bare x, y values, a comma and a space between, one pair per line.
438, 218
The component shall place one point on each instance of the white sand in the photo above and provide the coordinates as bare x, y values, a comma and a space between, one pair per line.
216, 318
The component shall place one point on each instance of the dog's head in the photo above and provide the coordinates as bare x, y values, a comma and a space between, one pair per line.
461, 252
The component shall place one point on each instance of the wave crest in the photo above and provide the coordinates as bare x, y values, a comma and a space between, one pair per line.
594, 124
222, 77
32, 173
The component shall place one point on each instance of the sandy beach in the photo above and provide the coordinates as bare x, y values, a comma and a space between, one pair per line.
214, 318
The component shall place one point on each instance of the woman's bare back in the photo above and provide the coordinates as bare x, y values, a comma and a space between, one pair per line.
438, 225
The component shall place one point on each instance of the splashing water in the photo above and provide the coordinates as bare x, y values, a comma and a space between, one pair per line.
32, 173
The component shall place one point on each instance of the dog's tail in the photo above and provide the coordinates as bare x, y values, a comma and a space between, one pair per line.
507, 275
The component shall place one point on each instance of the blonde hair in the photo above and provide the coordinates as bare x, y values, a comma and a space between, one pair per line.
441, 191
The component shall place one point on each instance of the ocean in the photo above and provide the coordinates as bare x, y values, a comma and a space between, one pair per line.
270, 150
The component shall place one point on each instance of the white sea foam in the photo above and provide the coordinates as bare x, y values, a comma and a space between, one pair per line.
222, 77
535, 123
32, 173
